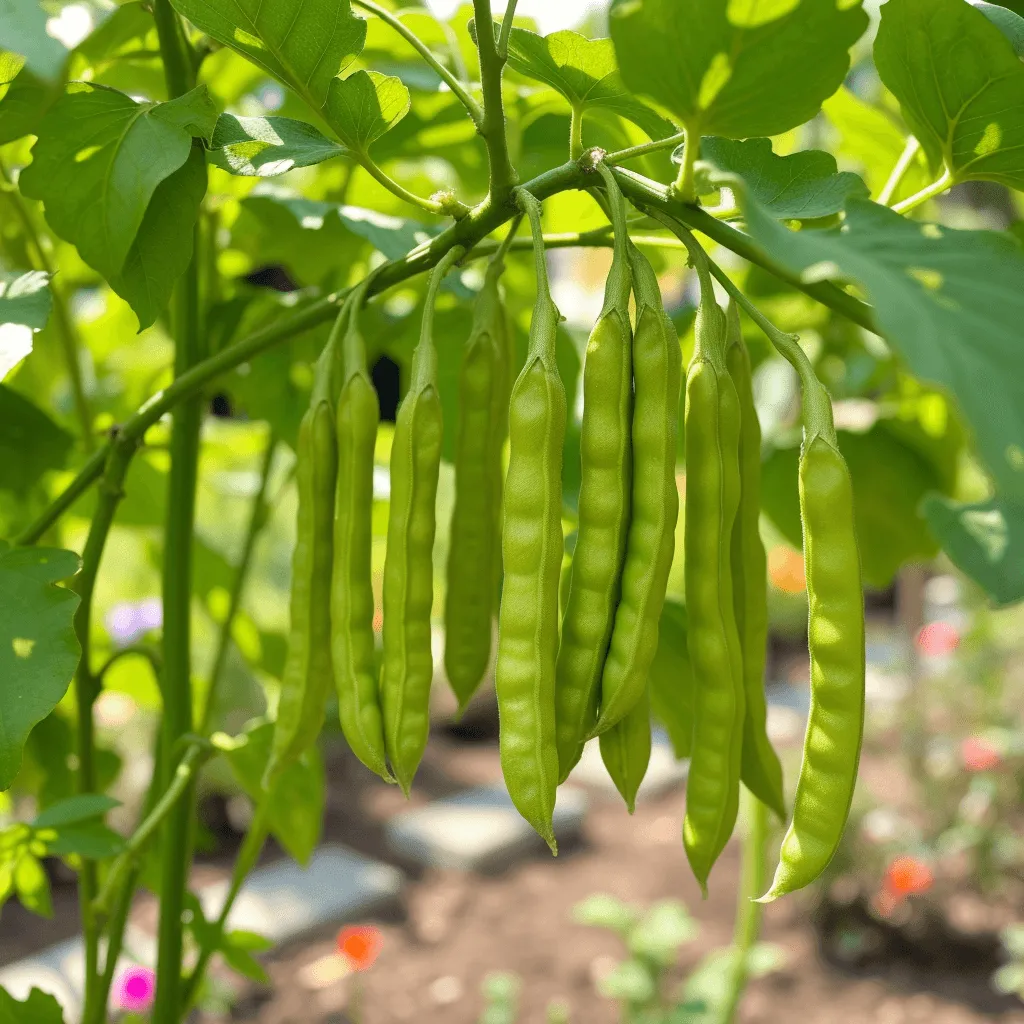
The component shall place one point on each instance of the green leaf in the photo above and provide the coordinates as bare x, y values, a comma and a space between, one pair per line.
38, 646
128, 24
296, 807
950, 302
302, 43
260, 147
1008, 22
630, 981
32, 885
985, 540
24, 25
90, 839
24, 98
162, 249
671, 680
99, 159
661, 931
960, 87
737, 69
75, 809
237, 951
604, 911
39, 1008
30, 442
362, 107
25, 298
890, 479
802, 186
584, 71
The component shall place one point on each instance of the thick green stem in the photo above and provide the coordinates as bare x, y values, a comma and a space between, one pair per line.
257, 519
622, 155
179, 70
246, 860
576, 133
110, 494
685, 186
503, 177
422, 49
66, 331
176, 842
748, 910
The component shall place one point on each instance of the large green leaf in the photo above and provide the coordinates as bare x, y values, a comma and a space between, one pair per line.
38, 646
99, 159
740, 68
25, 298
37, 1008
890, 479
260, 147
985, 540
162, 249
802, 186
1009, 23
302, 43
24, 98
24, 32
584, 71
297, 803
30, 442
362, 107
960, 86
950, 302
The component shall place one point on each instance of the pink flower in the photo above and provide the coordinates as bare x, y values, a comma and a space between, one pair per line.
134, 989
979, 755
938, 638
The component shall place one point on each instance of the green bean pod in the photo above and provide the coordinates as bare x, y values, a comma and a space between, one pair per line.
471, 595
604, 499
352, 649
626, 750
532, 547
308, 675
835, 725
650, 540
408, 664
761, 771
712, 426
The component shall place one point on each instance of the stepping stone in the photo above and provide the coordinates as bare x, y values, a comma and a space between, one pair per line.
664, 772
284, 901
479, 829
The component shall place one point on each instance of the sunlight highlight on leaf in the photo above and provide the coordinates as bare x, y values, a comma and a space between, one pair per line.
715, 79
751, 13
931, 279
85, 154
990, 141
22, 647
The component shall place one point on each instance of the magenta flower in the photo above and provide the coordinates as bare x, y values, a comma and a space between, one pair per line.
134, 989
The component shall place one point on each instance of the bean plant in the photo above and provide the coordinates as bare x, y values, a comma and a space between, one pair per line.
195, 405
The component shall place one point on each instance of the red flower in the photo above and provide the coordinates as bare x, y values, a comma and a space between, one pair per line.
360, 945
908, 876
938, 638
979, 755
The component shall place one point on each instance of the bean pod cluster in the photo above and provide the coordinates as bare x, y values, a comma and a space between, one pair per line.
578, 610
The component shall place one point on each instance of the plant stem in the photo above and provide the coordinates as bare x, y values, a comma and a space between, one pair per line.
184, 774
503, 176
151, 654
576, 133
378, 175
899, 171
457, 88
110, 494
69, 340
174, 50
622, 155
257, 520
685, 186
928, 192
467, 232
748, 910
249, 853
506, 28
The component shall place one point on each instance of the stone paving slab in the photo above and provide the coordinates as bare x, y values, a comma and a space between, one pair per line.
479, 829
284, 901
663, 773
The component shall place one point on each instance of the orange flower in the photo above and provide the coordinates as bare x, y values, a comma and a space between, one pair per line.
979, 755
908, 876
786, 569
938, 638
360, 945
